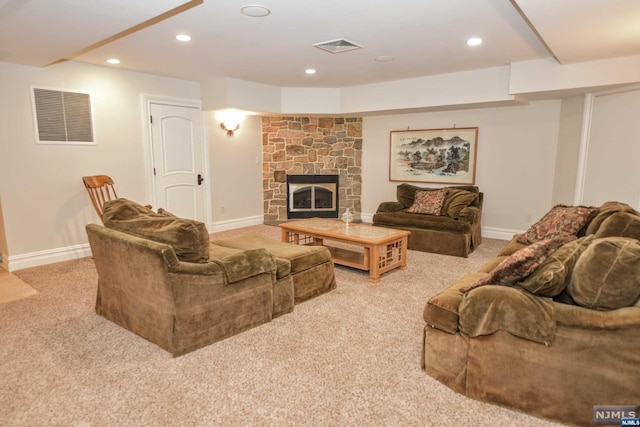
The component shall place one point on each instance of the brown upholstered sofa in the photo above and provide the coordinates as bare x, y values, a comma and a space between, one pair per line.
563, 338
160, 277
456, 231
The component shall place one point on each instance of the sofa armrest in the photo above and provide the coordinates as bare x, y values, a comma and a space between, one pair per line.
234, 267
470, 214
390, 207
248, 263
488, 309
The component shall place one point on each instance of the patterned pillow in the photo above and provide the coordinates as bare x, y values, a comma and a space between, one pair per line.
521, 264
428, 202
561, 220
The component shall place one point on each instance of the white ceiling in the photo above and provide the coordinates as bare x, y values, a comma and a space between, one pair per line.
424, 37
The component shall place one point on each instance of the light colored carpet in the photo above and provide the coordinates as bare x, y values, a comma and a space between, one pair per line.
12, 288
349, 357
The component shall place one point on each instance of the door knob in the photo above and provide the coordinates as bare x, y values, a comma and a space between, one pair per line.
200, 179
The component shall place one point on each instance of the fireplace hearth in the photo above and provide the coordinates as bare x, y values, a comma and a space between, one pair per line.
311, 196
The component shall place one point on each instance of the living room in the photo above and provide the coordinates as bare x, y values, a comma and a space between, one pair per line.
535, 119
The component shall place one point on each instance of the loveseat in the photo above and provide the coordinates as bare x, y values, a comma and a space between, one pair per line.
159, 277
550, 327
448, 224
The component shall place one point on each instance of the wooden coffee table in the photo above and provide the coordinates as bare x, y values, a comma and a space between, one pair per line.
383, 248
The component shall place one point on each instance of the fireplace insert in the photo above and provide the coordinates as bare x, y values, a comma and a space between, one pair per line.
311, 196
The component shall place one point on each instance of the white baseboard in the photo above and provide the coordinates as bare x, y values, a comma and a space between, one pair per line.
366, 217
235, 223
499, 233
35, 259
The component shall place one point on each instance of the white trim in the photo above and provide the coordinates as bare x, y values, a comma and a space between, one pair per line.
499, 233
50, 256
584, 149
366, 217
232, 224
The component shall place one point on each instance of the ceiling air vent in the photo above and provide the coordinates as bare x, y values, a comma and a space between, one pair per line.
338, 46
62, 117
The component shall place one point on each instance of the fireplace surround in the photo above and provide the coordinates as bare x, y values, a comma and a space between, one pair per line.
312, 196
311, 146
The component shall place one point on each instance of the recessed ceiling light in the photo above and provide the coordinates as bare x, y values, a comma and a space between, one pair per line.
113, 61
183, 37
384, 58
310, 71
474, 41
255, 11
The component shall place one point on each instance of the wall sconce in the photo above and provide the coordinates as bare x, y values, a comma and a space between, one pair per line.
229, 131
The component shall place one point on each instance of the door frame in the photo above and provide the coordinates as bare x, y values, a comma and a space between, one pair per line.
147, 100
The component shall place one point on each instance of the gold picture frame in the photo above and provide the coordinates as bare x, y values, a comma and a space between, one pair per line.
439, 156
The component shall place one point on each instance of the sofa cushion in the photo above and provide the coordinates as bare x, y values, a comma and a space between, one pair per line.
518, 266
222, 254
620, 224
428, 202
561, 220
552, 276
456, 200
421, 221
607, 274
188, 238
605, 211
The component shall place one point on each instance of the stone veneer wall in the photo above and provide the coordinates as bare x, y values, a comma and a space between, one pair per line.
310, 146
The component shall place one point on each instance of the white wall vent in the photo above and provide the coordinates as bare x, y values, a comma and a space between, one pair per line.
62, 117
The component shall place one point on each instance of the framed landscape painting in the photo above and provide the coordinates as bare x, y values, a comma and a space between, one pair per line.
441, 156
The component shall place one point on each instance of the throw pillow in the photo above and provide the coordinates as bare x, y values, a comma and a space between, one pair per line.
406, 193
561, 220
189, 239
428, 202
620, 224
521, 264
457, 200
552, 276
607, 274
605, 211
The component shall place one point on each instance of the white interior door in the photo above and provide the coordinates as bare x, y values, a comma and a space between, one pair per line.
177, 146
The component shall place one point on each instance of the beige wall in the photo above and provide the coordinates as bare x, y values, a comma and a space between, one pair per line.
236, 171
515, 159
611, 170
44, 203
564, 182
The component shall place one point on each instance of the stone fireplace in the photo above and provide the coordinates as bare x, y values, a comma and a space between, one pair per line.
307, 146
